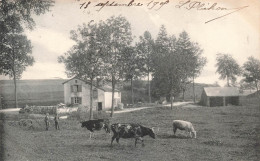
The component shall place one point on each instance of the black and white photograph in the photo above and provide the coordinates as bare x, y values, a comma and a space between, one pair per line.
123, 80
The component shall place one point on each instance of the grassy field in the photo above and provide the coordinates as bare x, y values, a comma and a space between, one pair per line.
223, 133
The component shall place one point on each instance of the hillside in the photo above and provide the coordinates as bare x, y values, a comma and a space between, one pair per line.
31, 92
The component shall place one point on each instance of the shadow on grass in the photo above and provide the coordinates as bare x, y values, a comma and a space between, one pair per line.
166, 136
107, 147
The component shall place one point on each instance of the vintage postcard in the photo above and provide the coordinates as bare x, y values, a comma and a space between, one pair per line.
129, 80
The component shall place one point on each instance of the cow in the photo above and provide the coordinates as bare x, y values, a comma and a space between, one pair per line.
184, 125
130, 130
96, 125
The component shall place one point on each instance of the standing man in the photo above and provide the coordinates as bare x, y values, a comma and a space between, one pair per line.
47, 121
56, 118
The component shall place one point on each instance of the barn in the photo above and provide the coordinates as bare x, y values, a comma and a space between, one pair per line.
220, 96
77, 92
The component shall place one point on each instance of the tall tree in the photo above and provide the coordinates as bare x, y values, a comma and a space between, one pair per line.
84, 59
133, 63
191, 60
145, 48
227, 67
16, 55
15, 47
252, 71
166, 64
116, 36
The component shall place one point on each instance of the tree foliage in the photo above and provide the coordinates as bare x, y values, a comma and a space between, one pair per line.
84, 59
176, 62
252, 71
15, 48
116, 37
227, 67
145, 47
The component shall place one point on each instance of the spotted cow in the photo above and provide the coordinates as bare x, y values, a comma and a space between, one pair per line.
96, 125
130, 130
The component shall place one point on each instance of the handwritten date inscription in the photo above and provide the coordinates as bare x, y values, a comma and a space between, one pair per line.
156, 5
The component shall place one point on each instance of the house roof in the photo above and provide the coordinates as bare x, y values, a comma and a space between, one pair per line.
105, 87
221, 91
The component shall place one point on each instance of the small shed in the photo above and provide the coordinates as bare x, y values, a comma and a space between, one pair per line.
220, 96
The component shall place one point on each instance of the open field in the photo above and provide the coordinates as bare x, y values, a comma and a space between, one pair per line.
223, 133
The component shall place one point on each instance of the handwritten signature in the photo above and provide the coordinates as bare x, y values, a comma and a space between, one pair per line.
200, 6
158, 4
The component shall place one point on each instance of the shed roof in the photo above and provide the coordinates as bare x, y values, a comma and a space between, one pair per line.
221, 91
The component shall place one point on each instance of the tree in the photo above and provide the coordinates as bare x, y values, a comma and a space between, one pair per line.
227, 67
84, 59
176, 61
133, 63
166, 65
252, 71
145, 48
15, 47
116, 36
191, 60
15, 57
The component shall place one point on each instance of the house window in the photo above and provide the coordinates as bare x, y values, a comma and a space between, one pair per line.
76, 100
76, 88
76, 81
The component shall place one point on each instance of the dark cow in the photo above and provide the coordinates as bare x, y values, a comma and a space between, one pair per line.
130, 130
96, 125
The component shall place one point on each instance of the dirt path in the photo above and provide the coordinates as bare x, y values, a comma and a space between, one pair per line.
141, 108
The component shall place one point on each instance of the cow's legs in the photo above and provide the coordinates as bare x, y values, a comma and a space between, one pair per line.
190, 135
174, 130
90, 133
113, 138
139, 138
117, 139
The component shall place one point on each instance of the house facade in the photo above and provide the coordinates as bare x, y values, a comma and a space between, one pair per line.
77, 92
220, 96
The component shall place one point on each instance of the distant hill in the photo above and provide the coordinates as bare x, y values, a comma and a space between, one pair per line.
32, 92
51, 92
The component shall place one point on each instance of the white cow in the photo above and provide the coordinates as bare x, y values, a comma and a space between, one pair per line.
184, 125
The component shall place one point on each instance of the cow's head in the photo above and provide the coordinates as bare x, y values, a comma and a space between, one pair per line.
82, 123
107, 126
151, 133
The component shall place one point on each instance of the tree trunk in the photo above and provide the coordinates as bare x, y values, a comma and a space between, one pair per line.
193, 88
15, 92
228, 82
91, 100
171, 99
113, 91
183, 91
132, 91
15, 85
149, 88
256, 86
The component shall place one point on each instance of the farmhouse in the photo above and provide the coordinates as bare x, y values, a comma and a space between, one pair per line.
220, 96
77, 92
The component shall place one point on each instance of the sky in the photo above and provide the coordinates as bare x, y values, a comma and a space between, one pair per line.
237, 33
